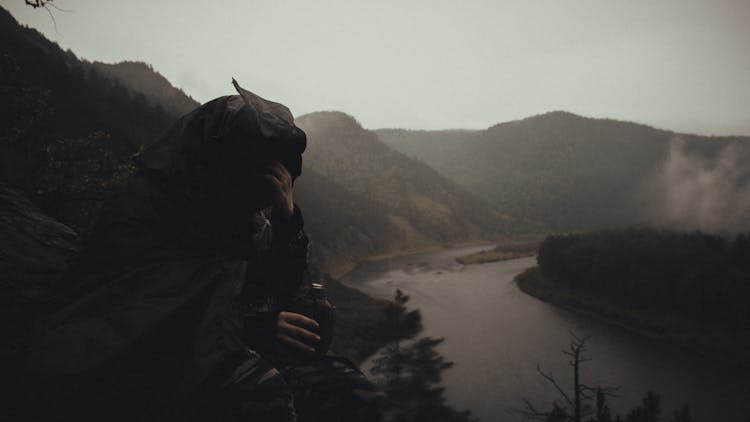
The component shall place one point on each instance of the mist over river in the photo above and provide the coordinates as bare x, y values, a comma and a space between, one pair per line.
496, 335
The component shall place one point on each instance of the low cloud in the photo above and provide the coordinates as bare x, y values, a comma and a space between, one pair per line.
707, 192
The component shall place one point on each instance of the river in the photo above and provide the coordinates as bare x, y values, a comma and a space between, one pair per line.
496, 335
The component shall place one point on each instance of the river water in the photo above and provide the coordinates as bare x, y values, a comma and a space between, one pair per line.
496, 335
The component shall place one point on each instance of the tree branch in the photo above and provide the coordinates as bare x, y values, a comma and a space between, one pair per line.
551, 379
46, 4
529, 412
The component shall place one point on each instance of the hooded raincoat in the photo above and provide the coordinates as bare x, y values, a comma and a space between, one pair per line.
154, 310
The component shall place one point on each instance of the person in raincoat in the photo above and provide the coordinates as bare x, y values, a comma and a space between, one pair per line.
176, 307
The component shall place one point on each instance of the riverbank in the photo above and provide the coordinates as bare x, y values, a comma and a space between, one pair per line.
499, 253
505, 248
491, 256
424, 250
340, 268
512, 248
717, 342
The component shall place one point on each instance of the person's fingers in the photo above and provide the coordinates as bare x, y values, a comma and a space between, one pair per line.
298, 332
280, 171
278, 183
281, 168
275, 182
275, 171
294, 343
283, 202
299, 319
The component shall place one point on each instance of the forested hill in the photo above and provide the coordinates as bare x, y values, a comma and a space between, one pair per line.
143, 79
339, 148
395, 202
54, 94
572, 172
66, 130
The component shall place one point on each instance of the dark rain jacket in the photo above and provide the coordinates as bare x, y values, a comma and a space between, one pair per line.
181, 273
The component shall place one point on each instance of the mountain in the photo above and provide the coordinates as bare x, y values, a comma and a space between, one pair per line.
423, 204
570, 172
143, 79
361, 197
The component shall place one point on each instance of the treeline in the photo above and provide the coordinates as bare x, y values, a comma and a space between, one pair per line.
66, 130
702, 276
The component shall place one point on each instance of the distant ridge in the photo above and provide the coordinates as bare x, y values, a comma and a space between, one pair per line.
568, 171
143, 79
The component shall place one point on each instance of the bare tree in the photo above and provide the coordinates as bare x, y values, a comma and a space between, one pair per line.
574, 405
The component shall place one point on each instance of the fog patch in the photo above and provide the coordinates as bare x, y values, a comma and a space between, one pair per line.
695, 192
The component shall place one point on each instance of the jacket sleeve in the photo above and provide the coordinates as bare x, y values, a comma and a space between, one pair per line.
286, 260
279, 274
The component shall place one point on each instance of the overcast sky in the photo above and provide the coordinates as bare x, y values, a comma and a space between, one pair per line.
676, 64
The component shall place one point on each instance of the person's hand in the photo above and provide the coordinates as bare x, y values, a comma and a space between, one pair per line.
293, 330
281, 180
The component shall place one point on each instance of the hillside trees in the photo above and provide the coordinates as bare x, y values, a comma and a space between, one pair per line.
702, 276
410, 371
66, 132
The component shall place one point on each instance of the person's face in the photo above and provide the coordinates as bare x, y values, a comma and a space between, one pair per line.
258, 193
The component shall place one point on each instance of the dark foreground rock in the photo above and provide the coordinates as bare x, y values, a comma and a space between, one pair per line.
35, 250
